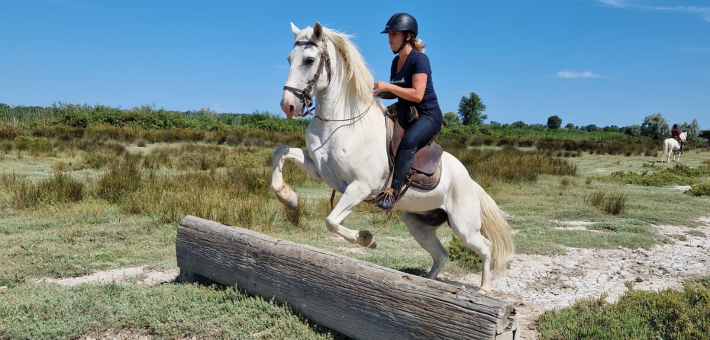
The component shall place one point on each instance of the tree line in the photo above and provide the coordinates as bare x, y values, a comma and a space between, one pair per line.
471, 110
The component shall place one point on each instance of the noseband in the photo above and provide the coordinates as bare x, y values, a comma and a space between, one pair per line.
305, 95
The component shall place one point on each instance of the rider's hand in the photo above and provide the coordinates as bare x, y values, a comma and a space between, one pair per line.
381, 86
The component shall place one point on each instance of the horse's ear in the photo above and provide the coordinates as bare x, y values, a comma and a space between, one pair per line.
317, 32
295, 29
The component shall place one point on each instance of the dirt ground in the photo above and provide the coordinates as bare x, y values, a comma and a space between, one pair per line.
537, 283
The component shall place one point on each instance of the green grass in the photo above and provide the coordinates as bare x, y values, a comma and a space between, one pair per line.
170, 311
666, 314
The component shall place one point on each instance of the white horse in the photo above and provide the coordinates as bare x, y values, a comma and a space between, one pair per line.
346, 150
670, 145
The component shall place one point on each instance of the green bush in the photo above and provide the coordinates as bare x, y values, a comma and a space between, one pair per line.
37, 144
642, 315
679, 174
464, 256
701, 189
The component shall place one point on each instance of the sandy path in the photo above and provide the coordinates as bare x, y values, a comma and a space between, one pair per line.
537, 283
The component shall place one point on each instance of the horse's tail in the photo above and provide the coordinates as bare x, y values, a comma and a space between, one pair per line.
495, 228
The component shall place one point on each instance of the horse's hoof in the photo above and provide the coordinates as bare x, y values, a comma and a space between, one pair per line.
366, 239
483, 292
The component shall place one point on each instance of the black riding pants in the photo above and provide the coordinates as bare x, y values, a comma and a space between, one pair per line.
416, 135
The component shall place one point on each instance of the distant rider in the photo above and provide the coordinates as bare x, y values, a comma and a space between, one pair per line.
675, 134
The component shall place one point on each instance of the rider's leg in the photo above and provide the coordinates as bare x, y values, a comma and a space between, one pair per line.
416, 136
681, 146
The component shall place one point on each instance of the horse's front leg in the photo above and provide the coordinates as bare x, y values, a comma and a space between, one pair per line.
354, 194
301, 158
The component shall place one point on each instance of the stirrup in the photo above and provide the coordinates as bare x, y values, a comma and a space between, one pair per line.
386, 199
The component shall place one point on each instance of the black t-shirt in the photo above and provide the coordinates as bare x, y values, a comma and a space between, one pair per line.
417, 62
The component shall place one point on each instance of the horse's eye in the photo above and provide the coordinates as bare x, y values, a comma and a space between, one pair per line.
309, 61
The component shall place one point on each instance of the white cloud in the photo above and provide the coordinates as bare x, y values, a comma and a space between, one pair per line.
616, 3
702, 11
575, 74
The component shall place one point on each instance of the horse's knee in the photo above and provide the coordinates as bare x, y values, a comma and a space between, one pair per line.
331, 224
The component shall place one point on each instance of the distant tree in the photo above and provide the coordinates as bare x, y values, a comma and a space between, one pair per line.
537, 126
591, 128
495, 124
519, 125
569, 126
554, 122
450, 118
631, 130
693, 129
471, 110
612, 128
655, 126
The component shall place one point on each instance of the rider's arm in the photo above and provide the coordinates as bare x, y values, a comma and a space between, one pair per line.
414, 94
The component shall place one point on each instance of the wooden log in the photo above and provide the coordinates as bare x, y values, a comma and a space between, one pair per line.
357, 298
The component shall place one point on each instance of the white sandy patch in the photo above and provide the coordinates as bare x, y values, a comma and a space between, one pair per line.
358, 250
134, 274
681, 187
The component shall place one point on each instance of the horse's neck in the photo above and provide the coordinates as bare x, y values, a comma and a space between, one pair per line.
342, 108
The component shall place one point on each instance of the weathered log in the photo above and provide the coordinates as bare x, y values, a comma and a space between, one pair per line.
357, 298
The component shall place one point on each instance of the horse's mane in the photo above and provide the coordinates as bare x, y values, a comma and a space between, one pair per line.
357, 73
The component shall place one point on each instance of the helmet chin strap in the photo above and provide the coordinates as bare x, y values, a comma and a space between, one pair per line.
404, 43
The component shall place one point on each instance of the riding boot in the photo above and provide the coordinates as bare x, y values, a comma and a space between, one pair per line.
402, 164
681, 146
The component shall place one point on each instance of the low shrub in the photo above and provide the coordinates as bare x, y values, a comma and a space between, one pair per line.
701, 189
664, 314
511, 164
463, 255
679, 174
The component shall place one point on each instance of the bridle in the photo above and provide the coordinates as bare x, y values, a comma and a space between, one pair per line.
306, 95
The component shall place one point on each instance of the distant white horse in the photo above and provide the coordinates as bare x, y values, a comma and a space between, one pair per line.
670, 145
346, 150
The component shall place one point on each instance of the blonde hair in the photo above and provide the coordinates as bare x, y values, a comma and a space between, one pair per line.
416, 43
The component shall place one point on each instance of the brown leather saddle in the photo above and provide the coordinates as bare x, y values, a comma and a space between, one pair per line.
426, 168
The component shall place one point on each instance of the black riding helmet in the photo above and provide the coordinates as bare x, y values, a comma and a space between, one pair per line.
402, 22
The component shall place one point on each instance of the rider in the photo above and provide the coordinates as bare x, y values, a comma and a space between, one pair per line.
675, 134
411, 83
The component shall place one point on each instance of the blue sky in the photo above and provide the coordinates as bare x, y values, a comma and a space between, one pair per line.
603, 62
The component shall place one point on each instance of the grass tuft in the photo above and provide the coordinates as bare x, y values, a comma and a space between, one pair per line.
611, 203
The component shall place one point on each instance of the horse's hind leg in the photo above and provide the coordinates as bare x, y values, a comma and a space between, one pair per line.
425, 234
465, 222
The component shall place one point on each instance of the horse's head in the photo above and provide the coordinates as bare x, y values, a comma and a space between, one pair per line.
309, 71
683, 136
